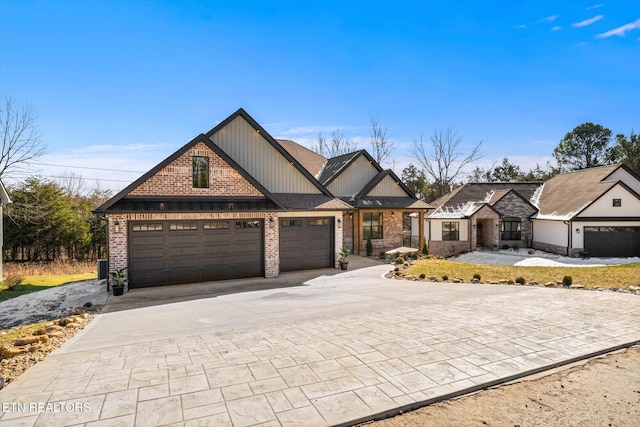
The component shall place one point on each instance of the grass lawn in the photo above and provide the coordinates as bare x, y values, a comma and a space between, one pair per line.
617, 276
38, 283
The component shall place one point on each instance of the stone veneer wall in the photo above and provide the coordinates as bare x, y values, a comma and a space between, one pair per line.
118, 241
447, 248
176, 179
554, 249
513, 206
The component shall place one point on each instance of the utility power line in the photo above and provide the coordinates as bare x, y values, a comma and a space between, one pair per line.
85, 167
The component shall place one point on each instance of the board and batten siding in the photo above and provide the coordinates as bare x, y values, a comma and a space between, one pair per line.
354, 178
387, 188
603, 207
627, 178
261, 160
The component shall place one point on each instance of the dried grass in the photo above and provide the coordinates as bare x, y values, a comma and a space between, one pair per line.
24, 269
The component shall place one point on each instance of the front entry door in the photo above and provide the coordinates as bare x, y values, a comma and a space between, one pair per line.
480, 234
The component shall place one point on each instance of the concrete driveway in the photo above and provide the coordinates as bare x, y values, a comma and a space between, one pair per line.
342, 349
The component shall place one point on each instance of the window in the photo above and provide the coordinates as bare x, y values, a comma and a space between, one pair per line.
183, 226
216, 225
617, 203
372, 225
147, 227
450, 231
200, 172
511, 229
318, 222
247, 224
291, 223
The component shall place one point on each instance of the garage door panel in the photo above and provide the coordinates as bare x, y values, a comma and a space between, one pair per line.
304, 245
194, 251
612, 241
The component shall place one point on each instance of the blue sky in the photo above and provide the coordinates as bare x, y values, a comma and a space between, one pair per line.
122, 84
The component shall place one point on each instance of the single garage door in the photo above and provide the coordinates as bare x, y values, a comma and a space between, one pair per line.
174, 252
612, 241
306, 243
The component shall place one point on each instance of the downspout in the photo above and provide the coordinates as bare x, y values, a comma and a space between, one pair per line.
470, 237
568, 224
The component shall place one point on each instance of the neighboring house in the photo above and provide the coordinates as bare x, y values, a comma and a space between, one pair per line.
235, 202
482, 215
4, 199
593, 212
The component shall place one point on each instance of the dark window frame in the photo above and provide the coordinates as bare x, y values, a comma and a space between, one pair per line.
453, 232
511, 229
370, 228
617, 203
200, 171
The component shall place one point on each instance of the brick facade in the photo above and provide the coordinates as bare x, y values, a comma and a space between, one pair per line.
176, 179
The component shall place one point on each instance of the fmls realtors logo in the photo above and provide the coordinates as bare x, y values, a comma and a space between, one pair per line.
40, 407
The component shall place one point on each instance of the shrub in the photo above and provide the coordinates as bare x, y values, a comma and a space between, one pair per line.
516, 247
382, 255
521, 280
399, 260
12, 281
425, 249
505, 247
566, 281
445, 277
369, 246
422, 275
477, 276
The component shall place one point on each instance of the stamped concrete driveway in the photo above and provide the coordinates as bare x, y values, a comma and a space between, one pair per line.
342, 349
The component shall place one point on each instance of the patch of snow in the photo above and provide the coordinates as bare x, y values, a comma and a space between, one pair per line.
537, 259
401, 250
535, 197
51, 303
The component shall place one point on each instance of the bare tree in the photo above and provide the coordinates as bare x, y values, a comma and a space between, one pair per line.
441, 159
337, 144
381, 146
21, 139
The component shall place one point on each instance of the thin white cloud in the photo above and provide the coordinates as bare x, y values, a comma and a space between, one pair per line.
595, 6
621, 31
558, 28
588, 22
522, 27
551, 18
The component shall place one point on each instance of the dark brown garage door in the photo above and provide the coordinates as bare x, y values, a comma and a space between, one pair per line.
306, 243
612, 241
174, 252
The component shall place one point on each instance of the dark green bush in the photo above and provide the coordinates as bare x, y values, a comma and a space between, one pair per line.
445, 277
369, 246
521, 280
422, 275
566, 281
477, 276
399, 260
425, 249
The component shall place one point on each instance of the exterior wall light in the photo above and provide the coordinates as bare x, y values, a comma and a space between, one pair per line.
339, 223
116, 226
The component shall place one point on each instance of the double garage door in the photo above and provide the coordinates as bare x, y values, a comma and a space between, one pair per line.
612, 241
174, 252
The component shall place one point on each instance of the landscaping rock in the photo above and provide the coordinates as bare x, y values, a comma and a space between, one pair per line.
550, 285
475, 281
503, 282
51, 328
31, 340
72, 325
534, 283
9, 352
457, 281
576, 286
56, 334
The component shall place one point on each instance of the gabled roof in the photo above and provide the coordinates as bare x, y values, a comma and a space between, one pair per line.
565, 196
336, 165
466, 199
213, 147
275, 144
378, 178
313, 201
309, 159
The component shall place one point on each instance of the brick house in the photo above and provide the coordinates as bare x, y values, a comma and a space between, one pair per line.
235, 202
